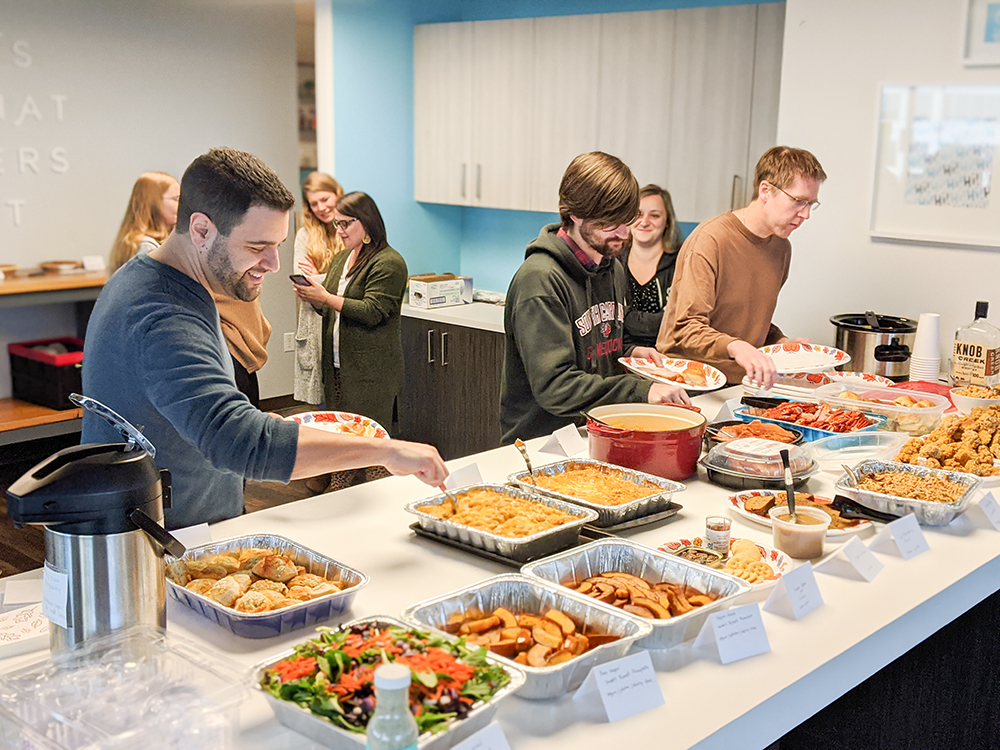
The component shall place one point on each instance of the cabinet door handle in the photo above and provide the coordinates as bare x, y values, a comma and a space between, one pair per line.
734, 195
444, 350
430, 345
479, 181
464, 170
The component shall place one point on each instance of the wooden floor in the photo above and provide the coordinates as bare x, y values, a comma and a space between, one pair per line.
24, 549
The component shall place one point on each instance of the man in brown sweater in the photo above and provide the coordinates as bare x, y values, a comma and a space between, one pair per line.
731, 268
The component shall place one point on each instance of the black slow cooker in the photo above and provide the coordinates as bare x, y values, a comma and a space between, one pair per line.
878, 344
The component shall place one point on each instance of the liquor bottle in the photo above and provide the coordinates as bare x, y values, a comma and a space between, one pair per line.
392, 726
976, 357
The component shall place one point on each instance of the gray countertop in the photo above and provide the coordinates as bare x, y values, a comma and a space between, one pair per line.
481, 315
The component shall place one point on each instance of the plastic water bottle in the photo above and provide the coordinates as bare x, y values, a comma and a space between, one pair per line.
392, 726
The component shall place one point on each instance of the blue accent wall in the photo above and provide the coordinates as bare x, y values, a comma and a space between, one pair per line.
373, 108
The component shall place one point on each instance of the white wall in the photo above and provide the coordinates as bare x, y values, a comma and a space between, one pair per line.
142, 85
837, 55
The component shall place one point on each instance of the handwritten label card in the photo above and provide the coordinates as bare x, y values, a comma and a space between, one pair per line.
566, 441
464, 476
796, 594
852, 559
490, 737
734, 634
991, 508
903, 536
627, 686
23, 630
55, 595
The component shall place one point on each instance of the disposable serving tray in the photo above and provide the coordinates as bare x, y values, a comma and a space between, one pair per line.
656, 501
623, 556
320, 730
750, 413
520, 594
928, 512
519, 549
287, 619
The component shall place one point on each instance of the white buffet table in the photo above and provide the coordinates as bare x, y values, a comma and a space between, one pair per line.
747, 704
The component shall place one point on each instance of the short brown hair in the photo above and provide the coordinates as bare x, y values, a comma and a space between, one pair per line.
598, 187
224, 184
780, 166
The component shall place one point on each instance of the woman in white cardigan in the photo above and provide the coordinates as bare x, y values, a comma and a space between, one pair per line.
316, 243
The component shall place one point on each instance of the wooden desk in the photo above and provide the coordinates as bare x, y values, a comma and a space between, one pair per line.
20, 289
20, 421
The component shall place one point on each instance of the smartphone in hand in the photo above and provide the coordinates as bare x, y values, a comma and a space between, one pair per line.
298, 278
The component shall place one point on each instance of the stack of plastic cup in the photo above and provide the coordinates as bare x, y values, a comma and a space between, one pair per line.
925, 358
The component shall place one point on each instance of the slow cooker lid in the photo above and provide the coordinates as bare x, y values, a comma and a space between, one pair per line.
886, 323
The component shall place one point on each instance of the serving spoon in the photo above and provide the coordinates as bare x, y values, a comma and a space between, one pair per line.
523, 449
851, 474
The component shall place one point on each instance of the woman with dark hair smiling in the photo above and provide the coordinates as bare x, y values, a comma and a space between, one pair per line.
360, 301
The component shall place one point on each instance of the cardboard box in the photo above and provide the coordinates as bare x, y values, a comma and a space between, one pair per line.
440, 290
43, 378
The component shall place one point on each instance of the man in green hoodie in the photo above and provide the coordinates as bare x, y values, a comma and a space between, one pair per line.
565, 310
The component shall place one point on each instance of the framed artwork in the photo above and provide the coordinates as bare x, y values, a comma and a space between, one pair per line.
981, 45
936, 165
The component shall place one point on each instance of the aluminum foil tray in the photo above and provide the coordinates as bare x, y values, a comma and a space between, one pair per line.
607, 515
623, 556
927, 512
268, 624
318, 729
520, 549
521, 594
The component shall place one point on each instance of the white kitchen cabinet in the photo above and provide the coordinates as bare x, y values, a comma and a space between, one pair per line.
565, 98
710, 110
635, 86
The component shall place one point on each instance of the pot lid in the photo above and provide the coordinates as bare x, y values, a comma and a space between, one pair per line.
886, 323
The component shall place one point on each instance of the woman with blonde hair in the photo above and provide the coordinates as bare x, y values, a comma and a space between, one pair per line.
149, 217
316, 243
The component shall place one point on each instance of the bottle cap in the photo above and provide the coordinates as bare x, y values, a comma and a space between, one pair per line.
392, 677
982, 309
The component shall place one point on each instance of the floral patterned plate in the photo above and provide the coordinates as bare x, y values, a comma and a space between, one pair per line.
779, 561
805, 357
674, 368
341, 421
736, 505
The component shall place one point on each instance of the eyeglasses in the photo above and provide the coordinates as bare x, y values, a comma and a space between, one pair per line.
344, 223
799, 203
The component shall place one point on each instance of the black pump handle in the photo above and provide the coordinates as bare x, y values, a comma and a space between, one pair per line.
162, 537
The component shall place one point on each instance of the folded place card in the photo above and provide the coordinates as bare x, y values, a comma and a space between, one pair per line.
464, 476
728, 408
17, 592
796, 594
566, 441
23, 630
193, 536
850, 560
991, 509
626, 686
733, 634
902, 536
490, 737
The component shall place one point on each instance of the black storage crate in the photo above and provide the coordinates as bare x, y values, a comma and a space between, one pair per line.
40, 377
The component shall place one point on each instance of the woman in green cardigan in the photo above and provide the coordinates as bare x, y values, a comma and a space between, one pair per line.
360, 301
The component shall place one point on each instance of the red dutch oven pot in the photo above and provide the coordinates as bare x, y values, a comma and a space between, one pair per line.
670, 452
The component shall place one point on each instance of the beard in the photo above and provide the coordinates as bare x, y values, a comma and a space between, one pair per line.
221, 265
607, 247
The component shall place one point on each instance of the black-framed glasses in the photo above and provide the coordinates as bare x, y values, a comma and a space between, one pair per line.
799, 203
344, 223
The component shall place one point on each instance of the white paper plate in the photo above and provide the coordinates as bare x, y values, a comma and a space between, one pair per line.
796, 358
647, 369
736, 506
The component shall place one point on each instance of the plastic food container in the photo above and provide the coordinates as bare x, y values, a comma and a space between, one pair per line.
287, 619
831, 453
520, 549
318, 729
121, 690
623, 556
521, 594
803, 539
900, 417
752, 464
660, 493
713, 438
928, 513
750, 413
